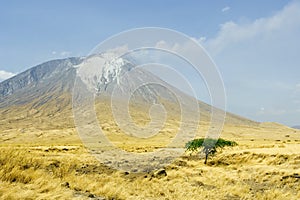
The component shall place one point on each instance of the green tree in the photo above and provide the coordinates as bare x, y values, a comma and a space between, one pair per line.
208, 145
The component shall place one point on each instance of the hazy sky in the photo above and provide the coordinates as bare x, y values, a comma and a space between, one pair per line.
255, 44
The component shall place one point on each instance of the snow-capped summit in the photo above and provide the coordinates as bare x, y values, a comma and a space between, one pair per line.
99, 71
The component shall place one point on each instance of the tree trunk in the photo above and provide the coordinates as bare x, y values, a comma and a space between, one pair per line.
206, 156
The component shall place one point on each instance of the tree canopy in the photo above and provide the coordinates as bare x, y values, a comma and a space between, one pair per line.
208, 145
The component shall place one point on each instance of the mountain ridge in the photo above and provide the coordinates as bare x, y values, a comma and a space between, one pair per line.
50, 85
34, 75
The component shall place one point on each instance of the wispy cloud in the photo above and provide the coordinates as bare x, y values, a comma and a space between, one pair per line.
261, 55
202, 39
61, 53
264, 111
5, 75
231, 32
225, 9
65, 53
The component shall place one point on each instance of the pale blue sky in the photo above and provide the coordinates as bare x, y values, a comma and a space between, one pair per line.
255, 44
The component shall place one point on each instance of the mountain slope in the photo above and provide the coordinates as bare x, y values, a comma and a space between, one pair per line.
42, 81
43, 94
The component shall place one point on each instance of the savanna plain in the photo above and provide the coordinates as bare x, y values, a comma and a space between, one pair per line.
42, 157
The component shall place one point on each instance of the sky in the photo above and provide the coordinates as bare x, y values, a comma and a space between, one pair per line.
255, 44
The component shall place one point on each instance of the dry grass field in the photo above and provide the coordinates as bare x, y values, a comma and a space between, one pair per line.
42, 157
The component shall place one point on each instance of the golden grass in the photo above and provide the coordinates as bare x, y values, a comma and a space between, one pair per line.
69, 172
41, 157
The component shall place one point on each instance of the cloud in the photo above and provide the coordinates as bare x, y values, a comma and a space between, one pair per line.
62, 54
5, 75
296, 90
296, 101
258, 59
201, 40
225, 9
231, 32
120, 50
261, 111
264, 111
65, 53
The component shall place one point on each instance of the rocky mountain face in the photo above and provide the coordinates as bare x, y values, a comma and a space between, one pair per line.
42, 73
50, 80
51, 84
56, 76
120, 77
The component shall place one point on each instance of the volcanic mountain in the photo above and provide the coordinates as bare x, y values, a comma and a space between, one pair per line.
54, 81
41, 97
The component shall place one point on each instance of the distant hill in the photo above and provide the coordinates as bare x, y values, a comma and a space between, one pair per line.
296, 127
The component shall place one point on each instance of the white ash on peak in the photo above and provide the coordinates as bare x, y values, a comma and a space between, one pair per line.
98, 71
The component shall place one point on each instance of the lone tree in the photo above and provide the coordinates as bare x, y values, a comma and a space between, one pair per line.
208, 145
